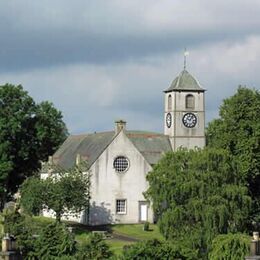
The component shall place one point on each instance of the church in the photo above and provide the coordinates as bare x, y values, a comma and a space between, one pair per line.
119, 160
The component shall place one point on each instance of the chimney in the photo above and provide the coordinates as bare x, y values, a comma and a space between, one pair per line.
120, 125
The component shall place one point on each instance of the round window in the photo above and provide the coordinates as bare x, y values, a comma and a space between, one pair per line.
121, 164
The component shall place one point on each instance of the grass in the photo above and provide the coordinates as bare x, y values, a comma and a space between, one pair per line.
116, 245
136, 231
42, 221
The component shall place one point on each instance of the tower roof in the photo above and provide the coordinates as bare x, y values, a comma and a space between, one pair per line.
185, 82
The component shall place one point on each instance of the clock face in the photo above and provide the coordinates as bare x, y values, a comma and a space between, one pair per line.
168, 120
189, 120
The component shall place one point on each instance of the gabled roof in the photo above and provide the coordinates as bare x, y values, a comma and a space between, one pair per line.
151, 145
90, 146
186, 82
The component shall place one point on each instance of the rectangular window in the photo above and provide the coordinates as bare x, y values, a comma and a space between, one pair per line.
120, 206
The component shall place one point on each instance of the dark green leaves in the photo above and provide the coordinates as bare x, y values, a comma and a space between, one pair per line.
197, 195
63, 192
29, 132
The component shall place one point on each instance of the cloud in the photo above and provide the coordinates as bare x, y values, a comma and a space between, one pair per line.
91, 97
40, 34
100, 60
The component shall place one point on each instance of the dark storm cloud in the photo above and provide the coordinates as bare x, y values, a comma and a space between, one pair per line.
100, 60
50, 33
21, 51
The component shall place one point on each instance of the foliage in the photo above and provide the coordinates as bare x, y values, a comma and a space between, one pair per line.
146, 226
196, 196
157, 250
52, 241
63, 192
93, 247
230, 247
238, 131
20, 226
55, 241
29, 132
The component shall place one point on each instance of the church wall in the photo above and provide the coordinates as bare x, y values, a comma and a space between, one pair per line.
108, 185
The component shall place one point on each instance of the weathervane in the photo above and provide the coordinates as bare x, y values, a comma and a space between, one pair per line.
186, 53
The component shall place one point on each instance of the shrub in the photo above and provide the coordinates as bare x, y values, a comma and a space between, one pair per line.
156, 250
146, 226
230, 247
94, 248
55, 241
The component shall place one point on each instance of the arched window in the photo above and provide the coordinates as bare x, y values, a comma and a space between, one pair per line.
169, 102
190, 102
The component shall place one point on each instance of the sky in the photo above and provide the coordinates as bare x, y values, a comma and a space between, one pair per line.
102, 60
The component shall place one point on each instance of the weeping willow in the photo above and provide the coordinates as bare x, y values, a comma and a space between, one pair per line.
197, 195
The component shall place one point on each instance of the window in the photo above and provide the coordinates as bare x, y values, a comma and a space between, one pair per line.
190, 101
120, 206
121, 164
169, 102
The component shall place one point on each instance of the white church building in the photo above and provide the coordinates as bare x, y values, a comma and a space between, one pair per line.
120, 159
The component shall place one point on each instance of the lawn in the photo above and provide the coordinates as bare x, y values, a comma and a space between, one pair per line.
116, 246
136, 231
122, 234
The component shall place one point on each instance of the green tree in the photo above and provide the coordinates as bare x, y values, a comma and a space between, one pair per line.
94, 247
238, 132
156, 250
63, 192
196, 196
20, 226
55, 242
230, 247
29, 132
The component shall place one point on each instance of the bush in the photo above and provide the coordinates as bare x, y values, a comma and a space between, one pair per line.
156, 250
230, 247
146, 226
94, 248
55, 241
20, 227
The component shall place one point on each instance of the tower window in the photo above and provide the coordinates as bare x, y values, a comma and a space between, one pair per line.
190, 102
169, 102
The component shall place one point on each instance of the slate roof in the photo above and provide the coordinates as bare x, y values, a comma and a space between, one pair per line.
90, 146
185, 81
151, 145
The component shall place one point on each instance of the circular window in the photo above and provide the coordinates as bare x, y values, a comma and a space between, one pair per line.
121, 164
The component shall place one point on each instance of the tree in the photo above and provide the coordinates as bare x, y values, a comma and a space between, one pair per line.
238, 132
196, 196
157, 250
63, 192
94, 247
55, 242
230, 247
20, 226
29, 132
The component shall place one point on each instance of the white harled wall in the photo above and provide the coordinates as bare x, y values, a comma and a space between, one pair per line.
108, 185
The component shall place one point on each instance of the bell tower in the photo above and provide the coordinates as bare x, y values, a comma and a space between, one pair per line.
184, 112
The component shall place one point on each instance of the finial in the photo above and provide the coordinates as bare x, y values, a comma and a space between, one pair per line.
186, 53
